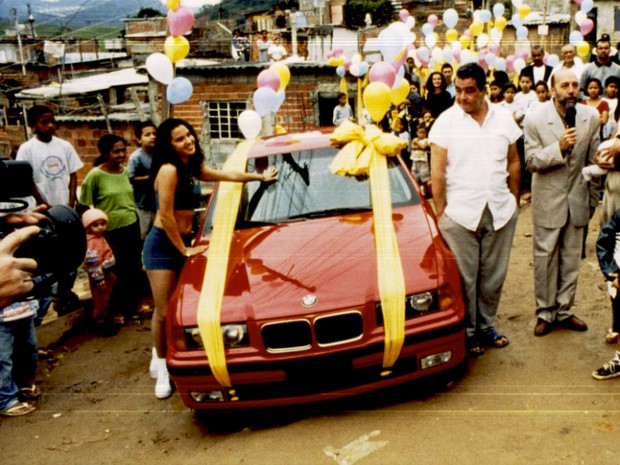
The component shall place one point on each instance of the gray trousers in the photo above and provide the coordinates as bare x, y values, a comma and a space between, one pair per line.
557, 255
482, 257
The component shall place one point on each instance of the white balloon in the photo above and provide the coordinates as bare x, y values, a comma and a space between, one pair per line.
400, 74
500, 64
467, 56
580, 16
518, 65
517, 3
482, 40
498, 10
430, 40
410, 22
516, 20
354, 69
575, 38
447, 53
495, 35
160, 68
490, 58
250, 123
522, 33
553, 60
437, 55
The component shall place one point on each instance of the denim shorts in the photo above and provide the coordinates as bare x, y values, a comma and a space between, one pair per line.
159, 253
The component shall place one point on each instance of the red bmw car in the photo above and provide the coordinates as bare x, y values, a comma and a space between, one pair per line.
301, 315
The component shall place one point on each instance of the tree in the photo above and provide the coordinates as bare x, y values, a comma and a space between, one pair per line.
355, 11
148, 12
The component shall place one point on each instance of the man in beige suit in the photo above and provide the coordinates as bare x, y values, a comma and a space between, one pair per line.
556, 149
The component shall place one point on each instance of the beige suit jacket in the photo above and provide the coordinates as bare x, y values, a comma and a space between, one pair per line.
558, 187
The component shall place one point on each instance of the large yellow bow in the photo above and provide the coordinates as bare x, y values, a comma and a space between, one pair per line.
365, 154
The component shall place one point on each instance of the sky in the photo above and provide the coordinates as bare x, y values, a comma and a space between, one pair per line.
196, 3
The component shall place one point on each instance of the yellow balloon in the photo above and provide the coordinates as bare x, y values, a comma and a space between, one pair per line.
399, 94
500, 23
285, 74
524, 10
465, 41
173, 4
583, 48
377, 100
176, 48
476, 27
452, 35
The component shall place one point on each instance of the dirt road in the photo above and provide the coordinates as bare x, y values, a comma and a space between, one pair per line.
533, 402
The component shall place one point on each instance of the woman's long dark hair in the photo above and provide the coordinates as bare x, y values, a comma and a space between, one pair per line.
430, 87
164, 152
104, 145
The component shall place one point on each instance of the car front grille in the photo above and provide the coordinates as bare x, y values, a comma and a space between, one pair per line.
297, 335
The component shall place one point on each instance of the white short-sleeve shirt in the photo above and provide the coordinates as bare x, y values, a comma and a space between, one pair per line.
476, 170
52, 165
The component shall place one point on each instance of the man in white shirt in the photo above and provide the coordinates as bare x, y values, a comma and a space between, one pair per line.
277, 52
475, 173
569, 61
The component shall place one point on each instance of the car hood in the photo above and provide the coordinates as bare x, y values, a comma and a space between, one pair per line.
272, 268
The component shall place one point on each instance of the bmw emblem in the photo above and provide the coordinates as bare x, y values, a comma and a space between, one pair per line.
309, 300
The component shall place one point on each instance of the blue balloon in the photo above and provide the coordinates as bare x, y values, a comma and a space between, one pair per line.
450, 18
340, 71
516, 20
498, 10
575, 38
363, 68
522, 33
587, 5
427, 29
265, 101
485, 16
179, 90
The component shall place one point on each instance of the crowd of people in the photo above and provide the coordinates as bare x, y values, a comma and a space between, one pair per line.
479, 144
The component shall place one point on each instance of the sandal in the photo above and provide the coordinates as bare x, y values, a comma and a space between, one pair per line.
474, 348
492, 338
18, 409
31, 392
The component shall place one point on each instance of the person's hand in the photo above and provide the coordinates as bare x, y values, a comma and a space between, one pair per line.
191, 251
15, 273
33, 217
616, 282
270, 174
605, 157
568, 139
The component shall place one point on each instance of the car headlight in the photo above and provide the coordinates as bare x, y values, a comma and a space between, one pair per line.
415, 305
234, 335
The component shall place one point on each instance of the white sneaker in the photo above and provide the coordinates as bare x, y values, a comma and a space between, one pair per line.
154, 366
163, 389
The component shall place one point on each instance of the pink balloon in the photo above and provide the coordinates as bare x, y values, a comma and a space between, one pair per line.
382, 72
338, 51
586, 26
578, 2
268, 78
456, 54
523, 53
494, 48
180, 21
403, 15
401, 61
433, 20
510, 60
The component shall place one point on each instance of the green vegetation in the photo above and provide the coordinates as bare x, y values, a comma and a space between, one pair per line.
355, 11
100, 32
232, 10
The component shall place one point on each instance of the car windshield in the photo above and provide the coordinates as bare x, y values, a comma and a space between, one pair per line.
306, 188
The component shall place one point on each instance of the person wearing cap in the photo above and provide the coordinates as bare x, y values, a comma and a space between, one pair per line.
99, 263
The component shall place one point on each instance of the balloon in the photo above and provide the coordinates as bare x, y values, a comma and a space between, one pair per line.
490, 59
399, 94
400, 60
283, 72
403, 15
250, 124
482, 40
485, 16
400, 74
500, 64
583, 49
575, 38
580, 16
586, 26
431, 40
450, 18
410, 22
338, 51
382, 72
363, 68
180, 21
476, 28
179, 90
433, 20
265, 100
391, 43
336, 61
500, 23
173, 4
354, 69
498, 11
578, 2
437, 55
377, 99
340, 71
447, 54
279, 100
553, 60
464, 41
467, 56
523, 53
452, 35
587, 5
494, 48
524, 10
510, 59
427, 28
160, 68
268, 78
517, 3
423, 54
516, 20
518, 65
176, 48
522, 33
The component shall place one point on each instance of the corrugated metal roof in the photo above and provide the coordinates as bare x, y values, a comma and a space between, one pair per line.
123, 77
291, 62
536, 17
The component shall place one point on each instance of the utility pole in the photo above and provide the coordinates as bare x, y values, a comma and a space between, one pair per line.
19, 41
31, 21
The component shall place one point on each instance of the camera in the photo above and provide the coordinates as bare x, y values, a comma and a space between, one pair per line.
60, 245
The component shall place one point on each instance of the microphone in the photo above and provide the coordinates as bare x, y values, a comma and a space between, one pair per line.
571, 112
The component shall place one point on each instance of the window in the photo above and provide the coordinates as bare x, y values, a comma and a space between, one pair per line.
616, 19
222, 118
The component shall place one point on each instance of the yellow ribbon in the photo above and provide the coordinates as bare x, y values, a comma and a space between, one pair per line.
365, 153
214, 281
